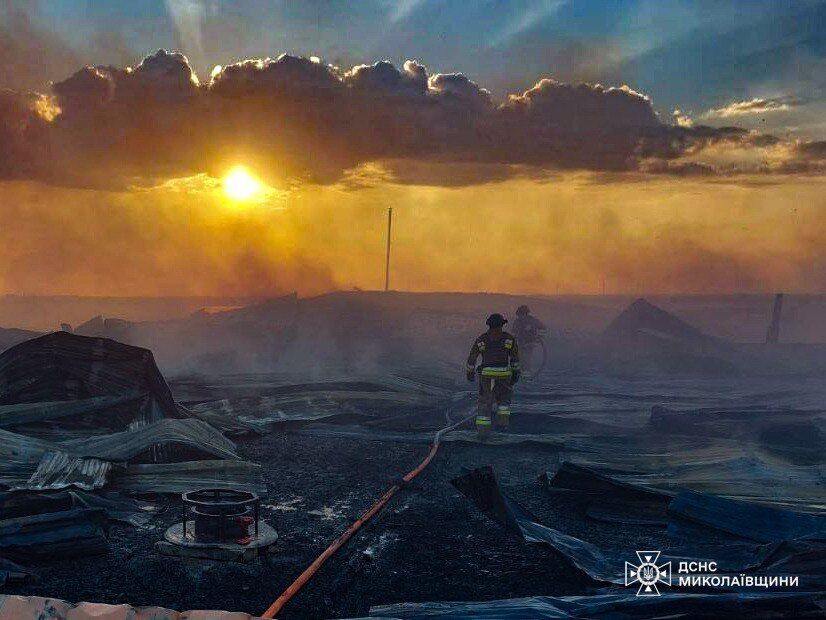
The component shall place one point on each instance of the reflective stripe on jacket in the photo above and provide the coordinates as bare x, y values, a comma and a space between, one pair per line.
499, 352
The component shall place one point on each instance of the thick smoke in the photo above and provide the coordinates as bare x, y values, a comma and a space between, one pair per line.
297, 118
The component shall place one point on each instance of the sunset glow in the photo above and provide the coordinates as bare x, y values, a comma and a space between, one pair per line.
240, 185
585, 160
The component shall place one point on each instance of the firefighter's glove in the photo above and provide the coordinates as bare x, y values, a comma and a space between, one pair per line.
471, 375
515, 376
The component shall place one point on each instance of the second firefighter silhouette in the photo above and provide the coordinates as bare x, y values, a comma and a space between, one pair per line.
498, 371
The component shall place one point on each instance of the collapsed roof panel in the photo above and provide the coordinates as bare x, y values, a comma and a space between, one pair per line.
63, 366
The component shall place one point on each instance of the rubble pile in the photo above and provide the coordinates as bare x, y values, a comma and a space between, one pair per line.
85, 423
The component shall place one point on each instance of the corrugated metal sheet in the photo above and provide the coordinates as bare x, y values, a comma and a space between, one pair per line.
67, 367
181, 477
20, 456
58, 470
27, 413
195, 434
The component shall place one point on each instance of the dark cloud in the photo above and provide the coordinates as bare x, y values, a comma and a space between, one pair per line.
295, 117
457, 87
583, 107
383, 79
85, 91
23, 135
287, 76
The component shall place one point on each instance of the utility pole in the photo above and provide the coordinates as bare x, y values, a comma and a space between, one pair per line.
387, 257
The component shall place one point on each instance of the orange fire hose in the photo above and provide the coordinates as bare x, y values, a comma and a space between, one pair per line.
339, 542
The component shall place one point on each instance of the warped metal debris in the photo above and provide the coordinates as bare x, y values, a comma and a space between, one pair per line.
796, 434
181, 477
480, 486
752, 521
30, 412
626, 502
64, 366
77, 531
13, 607
22, 448
613, 606
118, 507
99, 461
129, 444
82, 414
605, 425
312, 402
58, 470
164, 440
578, 478
612, 500
806, 558
726, 468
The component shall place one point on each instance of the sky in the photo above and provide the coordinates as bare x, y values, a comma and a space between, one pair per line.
535, 146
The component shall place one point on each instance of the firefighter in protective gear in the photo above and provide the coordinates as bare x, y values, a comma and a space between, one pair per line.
528, 330
498, 371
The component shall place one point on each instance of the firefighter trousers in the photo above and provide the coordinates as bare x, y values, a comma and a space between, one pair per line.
493, 390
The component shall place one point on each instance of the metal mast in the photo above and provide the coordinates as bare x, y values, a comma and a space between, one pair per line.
387, 257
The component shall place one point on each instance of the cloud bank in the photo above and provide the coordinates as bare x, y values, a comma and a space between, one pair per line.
294, 118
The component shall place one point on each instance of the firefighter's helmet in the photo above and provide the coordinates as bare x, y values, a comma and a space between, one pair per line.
496, 320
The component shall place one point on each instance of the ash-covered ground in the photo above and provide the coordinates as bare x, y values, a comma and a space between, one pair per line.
339, 396
430, 544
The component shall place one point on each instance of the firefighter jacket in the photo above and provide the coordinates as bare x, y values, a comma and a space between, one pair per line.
499, 352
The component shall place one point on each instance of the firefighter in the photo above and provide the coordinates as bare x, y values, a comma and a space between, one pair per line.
498, 371
528, 330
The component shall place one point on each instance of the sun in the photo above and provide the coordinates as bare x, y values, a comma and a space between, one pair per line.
239, 184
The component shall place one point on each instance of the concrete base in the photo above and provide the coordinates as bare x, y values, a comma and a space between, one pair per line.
176, 545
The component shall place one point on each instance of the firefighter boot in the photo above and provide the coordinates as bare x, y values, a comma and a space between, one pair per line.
503, 417
483, 427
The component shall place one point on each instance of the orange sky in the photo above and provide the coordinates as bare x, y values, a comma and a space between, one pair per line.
561, 232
